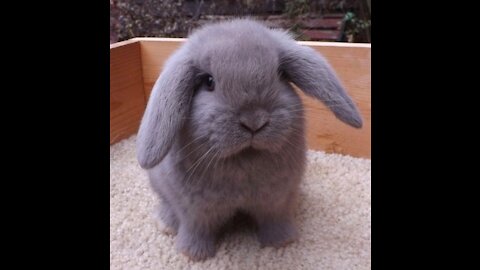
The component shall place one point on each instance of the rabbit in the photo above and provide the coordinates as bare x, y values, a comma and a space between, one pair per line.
223, 132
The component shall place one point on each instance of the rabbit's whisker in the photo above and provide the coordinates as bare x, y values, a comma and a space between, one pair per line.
197, 163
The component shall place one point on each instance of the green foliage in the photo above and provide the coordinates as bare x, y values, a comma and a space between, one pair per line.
355, 25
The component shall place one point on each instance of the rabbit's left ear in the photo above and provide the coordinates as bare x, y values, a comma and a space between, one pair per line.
166, 110
311, 72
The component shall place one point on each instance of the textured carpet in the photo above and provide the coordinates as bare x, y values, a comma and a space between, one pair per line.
333, 217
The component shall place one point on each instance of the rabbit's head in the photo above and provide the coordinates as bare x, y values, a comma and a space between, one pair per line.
229, 86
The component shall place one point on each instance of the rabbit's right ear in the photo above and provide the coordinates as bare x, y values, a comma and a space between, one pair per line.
312, 73
166, 110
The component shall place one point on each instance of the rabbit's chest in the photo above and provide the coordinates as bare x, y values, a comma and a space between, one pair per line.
236, 194
238, 182
240, 186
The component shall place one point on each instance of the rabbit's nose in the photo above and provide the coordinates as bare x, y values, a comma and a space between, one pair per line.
254, 122
253, 127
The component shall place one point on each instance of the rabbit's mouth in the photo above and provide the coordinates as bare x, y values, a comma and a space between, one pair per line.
249, 150
252, 145
258, 144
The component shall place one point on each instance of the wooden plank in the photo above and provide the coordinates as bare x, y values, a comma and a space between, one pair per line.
324, 131
154, 54
127, 97
123, 43
322, 23
319, 34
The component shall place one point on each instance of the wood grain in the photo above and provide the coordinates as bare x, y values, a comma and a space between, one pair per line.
154, 54
127, 97
324, 131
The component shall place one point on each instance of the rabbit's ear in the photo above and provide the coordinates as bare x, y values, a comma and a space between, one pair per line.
314, 76
166, 110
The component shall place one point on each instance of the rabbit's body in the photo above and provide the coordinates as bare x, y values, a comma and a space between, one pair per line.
224, 132
205, 195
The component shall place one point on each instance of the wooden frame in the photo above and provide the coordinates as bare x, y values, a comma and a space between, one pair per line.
136, 63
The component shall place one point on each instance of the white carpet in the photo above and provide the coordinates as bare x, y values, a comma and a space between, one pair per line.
334, 221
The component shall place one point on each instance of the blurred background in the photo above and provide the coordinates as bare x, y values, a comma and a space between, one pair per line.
320, 20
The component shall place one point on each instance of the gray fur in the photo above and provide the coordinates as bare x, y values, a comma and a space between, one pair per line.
312, 73
240, 147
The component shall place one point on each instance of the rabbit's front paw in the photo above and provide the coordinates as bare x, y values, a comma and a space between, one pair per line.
277, 234
196, 247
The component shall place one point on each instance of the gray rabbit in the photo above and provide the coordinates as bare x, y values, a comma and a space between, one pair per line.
223, 131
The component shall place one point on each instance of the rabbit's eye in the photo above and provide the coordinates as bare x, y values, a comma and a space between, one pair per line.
210, 83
